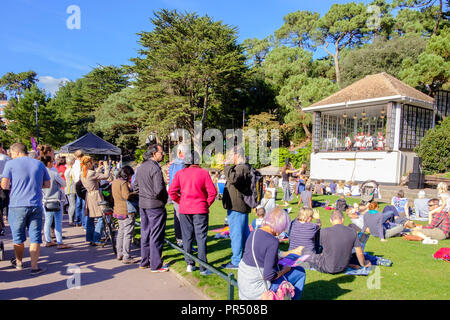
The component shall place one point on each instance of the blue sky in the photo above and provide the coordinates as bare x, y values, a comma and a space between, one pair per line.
34, 34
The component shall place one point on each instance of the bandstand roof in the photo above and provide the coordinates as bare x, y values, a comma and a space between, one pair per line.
374, 89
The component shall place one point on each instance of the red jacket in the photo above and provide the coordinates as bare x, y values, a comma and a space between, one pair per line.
193, 189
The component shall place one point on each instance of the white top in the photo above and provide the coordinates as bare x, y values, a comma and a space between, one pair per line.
446, 198
355, 191
76, 171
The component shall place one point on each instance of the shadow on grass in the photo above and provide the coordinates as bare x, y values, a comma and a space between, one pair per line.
326, 289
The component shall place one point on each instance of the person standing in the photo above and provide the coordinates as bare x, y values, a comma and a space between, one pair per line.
91, 182
149, 184
237, 174
80, 219
53, 209
177, 165
286, 173
25, 178
70, 191
121, 193
4, 194
194, 191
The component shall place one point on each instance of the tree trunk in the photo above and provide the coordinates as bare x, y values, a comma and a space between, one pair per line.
205, 104
307, 132
438, 18
336, 67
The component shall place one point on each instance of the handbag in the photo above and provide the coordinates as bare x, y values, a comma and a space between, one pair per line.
52, 206
285, 290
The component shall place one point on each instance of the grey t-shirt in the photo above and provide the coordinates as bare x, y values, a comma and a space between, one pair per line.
337, 242
306, 198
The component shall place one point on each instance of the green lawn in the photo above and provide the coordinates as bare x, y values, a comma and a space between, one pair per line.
414, 274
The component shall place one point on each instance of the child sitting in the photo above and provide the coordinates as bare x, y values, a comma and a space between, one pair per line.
302, 232
260, 213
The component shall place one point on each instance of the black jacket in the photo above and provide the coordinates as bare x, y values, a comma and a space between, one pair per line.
238, 184
149, 184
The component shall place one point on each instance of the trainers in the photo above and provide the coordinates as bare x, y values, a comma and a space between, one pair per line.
190, 268
229, 266
162, 269
429, 241
37, 271
15, 265
130, 261
144, 267
205, 272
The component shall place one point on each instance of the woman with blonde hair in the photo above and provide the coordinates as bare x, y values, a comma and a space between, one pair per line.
444, 201
90, 180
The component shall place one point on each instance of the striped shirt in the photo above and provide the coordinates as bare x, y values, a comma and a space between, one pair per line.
303, 234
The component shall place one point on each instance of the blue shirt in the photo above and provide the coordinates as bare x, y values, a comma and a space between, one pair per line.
27, 176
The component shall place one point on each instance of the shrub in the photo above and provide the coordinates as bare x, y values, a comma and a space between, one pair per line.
434, 149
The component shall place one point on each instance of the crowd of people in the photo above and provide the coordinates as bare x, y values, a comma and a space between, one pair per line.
39, 186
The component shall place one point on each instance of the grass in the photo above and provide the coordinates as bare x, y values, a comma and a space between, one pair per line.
414, 274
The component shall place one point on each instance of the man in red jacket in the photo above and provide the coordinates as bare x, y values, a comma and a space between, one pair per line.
194, 191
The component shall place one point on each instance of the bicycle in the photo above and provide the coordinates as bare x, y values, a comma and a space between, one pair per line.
110, 226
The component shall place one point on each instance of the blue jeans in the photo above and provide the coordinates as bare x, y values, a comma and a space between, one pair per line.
94, 234
49, 215
239, 232
79, 212
22, 218
296, 277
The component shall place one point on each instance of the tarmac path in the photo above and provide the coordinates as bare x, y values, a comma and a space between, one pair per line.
87, 273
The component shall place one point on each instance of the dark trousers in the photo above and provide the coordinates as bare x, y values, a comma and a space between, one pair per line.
194, 225
176, 221
153, 226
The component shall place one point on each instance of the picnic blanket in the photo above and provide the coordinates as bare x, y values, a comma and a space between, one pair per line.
359, 272
374, 260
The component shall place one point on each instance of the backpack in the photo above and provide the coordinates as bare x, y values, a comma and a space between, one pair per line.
255, 193
341, 205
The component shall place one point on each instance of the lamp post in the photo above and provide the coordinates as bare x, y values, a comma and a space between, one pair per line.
36, 106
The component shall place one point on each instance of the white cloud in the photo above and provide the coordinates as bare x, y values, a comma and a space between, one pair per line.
50, 84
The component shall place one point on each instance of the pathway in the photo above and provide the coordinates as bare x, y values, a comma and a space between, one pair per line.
95, 269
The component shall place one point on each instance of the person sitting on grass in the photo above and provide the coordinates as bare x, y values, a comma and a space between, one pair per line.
337, 242
303, 232
340, 187
355, 190
306, 197
356, 217
348, 189
401, 204
260, 213
341, 204
421, 205
438, 229
375, 221
268, 202
259, 270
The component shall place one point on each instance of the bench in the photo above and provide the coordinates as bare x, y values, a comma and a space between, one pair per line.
434, 180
